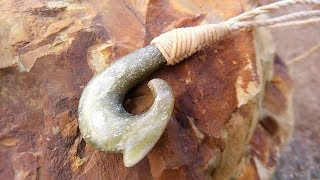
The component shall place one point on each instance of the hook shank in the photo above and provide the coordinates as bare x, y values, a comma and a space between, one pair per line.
103, 121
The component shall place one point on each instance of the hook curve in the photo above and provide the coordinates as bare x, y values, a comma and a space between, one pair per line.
105, 124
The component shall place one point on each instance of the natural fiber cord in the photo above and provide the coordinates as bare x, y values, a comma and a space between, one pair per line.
181, 43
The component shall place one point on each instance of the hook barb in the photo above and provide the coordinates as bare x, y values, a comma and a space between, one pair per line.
106, 125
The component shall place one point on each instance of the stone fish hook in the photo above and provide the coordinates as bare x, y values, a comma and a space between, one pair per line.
103, 121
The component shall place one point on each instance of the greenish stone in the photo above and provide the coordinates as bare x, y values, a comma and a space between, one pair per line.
103, 121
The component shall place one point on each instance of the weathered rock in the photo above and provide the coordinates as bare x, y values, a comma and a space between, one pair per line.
229, 98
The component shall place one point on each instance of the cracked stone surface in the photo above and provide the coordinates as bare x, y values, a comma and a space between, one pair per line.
301, 159
232, 113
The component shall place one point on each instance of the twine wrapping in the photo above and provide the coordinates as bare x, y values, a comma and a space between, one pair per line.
181, 43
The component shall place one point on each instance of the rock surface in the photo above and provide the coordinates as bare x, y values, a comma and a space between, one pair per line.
233, 101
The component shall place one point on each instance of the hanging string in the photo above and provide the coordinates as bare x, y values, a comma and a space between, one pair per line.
296, 23
181, 43
305, 55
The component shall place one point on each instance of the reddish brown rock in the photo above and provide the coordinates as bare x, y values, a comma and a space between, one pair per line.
226, 98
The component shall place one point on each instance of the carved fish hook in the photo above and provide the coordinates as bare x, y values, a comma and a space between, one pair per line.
103, 121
